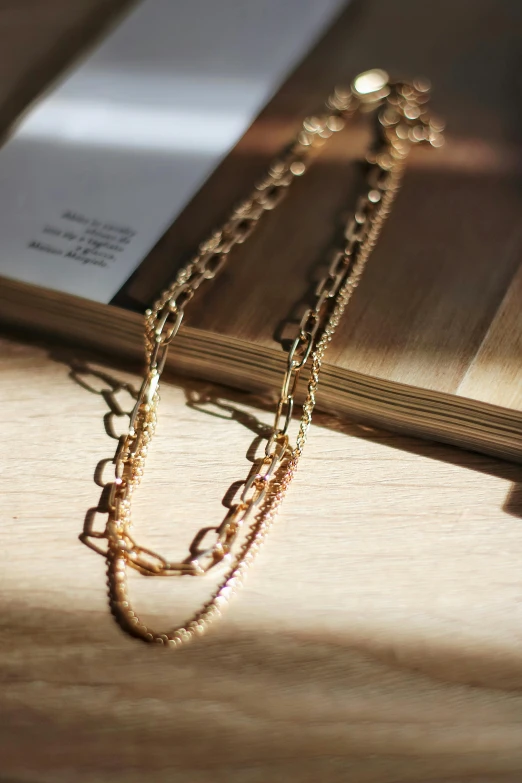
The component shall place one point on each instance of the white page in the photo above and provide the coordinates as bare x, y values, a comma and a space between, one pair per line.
101, 166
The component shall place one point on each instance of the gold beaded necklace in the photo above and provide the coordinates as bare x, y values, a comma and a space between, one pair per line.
403, 120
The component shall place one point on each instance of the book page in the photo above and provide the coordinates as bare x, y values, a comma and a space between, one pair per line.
99, 168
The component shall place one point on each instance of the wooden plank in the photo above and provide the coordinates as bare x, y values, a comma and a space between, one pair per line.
378, 637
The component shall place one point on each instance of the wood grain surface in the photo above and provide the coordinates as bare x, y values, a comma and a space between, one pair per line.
378, 638
439, 306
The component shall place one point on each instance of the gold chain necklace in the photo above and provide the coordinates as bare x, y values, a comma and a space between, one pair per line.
403, 120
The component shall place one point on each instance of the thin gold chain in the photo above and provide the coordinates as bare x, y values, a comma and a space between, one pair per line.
403, 120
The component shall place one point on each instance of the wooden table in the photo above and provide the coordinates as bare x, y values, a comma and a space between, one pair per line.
378, 637
377, 640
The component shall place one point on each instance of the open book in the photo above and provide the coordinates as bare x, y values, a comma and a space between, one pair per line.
431, 342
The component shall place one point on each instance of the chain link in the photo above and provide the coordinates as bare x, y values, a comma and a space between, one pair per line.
403, 120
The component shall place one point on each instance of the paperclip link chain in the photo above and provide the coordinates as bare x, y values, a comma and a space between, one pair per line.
403, 120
